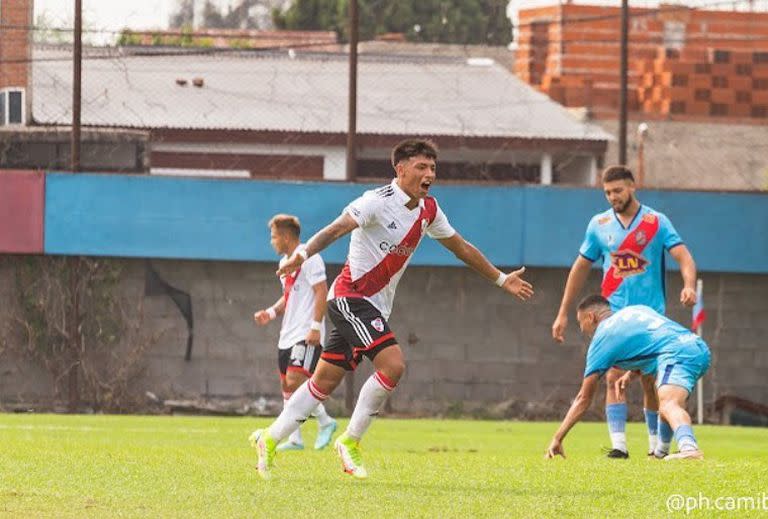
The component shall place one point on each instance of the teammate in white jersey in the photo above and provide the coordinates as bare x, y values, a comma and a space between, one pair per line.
301, 334
387, 225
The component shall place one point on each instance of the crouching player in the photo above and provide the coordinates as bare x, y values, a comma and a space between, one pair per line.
636, 338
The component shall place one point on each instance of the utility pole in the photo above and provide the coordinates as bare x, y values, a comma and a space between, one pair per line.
349, 384
352, 126
623, 91
77, 81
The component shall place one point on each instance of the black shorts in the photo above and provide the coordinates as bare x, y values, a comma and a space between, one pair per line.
298, 358
360, 330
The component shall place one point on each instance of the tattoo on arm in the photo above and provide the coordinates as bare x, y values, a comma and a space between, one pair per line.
329, 234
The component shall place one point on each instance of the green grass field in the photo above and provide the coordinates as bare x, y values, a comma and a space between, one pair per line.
109, 466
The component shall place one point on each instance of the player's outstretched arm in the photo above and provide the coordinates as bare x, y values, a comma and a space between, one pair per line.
579, 406
342, 225
576, 279
471, 256
683, 257
263, 317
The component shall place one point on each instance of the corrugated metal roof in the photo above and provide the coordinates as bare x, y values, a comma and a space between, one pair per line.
304, 93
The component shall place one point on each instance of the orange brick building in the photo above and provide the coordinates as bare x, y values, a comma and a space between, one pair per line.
684, 63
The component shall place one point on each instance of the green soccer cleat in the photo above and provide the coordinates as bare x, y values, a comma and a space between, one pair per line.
290, 446
324, 435
348, 450
265, 446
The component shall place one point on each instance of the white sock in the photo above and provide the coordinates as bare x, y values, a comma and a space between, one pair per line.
374, 393
653, 440
662, 448
295, 437
296, 410
619, 441
323, 418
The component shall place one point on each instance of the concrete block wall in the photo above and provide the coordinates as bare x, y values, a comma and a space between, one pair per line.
468, 346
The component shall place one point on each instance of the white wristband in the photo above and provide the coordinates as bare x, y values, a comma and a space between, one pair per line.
316, 326
301, 251
501, 279
271, 313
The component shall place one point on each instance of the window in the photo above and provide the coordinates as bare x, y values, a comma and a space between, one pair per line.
760, 112
721, 56
743, 96
677, 107
702, 94
718, 109
679, 80
11, 106
719, 82
470, 171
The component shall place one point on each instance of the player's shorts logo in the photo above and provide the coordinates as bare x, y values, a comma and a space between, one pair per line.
627, 263
378, 324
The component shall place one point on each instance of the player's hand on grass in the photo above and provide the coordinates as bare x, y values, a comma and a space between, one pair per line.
688, 297
292, 265
620, 386
558, 328
313, 338
555, 449
517, 286
261, 317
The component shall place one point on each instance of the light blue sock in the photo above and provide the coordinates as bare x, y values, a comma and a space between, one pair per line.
652, 421
616, 414
686, 441
665, 438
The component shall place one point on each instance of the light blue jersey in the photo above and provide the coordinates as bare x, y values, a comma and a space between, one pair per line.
633, 256
639, 338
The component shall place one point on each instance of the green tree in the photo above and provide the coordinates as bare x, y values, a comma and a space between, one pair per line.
444, 21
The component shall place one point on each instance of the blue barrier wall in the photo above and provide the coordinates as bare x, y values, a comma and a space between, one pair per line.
165, 217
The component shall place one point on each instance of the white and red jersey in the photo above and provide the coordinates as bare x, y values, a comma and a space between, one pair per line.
300, 301
383, 243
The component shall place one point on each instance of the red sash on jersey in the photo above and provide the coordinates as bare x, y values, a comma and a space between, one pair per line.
377, 278
288, 283
647, 229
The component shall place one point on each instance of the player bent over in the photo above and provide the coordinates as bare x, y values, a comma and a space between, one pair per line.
637, 338
387, 225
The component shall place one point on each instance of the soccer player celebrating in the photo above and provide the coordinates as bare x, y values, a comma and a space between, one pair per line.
303, 307
387, 224
639, 338
631, 239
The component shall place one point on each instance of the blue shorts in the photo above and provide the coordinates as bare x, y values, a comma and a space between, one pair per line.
685, 366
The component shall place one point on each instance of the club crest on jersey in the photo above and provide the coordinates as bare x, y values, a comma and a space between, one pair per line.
378, 324
641, 238
424, 225
627, 263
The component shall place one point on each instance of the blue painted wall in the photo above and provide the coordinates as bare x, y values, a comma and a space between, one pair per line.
165, 217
